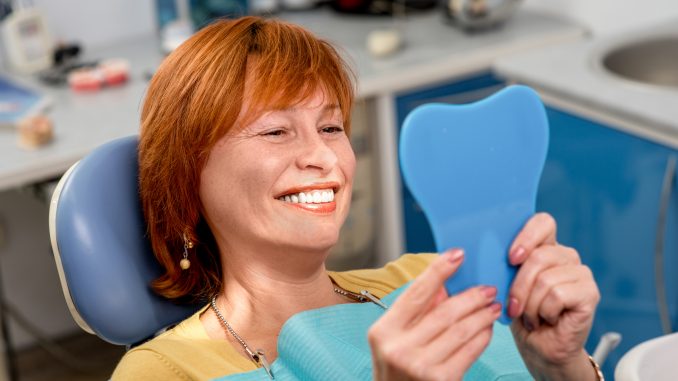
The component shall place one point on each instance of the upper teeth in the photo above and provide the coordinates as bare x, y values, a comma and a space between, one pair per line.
312, 197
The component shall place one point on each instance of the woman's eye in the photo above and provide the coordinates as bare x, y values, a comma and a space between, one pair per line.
274, 133
332, 129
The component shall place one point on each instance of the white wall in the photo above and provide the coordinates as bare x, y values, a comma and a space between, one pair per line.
98, 22
605, 17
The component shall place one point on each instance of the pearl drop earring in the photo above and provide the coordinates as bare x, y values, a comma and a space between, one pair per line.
185, 263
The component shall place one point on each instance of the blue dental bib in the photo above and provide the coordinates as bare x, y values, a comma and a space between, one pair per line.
330, 343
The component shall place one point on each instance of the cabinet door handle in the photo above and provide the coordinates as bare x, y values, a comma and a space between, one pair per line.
660, 284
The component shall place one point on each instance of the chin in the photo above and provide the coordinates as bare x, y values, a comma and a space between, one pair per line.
323, 244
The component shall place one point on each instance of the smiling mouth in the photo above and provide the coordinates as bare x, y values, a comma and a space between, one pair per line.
310, 197
316, 201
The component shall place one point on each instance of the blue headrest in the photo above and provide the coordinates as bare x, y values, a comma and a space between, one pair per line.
475, 169
104, 260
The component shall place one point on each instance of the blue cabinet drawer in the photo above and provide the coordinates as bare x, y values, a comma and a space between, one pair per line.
603, 187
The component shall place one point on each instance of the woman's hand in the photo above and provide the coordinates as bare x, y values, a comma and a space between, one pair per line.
425, 335
552, 300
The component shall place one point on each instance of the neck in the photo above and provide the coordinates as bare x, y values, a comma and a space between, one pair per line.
274, 291
259, 296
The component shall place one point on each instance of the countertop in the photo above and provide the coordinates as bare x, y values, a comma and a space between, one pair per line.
82, 121
572, 73
434, 52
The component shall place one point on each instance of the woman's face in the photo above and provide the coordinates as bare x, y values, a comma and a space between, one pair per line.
283, 181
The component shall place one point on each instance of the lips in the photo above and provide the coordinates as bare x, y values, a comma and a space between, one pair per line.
324, 208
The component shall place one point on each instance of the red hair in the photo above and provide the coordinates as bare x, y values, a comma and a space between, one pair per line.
193, 100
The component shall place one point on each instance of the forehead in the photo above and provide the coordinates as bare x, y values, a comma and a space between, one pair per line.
258, 101
317, 100
292, 84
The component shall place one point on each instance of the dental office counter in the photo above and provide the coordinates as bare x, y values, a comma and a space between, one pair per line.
573, 76
433, 53
82, 120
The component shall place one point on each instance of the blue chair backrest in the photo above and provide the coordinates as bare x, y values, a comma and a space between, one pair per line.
474, 169
104, 259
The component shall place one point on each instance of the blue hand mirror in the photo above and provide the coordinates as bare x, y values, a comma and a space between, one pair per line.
474, 170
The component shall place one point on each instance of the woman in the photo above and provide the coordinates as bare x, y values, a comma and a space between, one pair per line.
245, 177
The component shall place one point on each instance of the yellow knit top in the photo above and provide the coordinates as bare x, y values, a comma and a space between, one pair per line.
186, 352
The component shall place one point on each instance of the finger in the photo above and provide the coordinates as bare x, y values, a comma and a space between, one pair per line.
438, 298
450, 312
457, 364
417, 298
539, 230
456, 337
581, 297
541, 259
544, 284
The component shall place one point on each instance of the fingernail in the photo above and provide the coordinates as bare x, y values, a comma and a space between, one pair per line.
517, 255
513, 307
455, 255
489, 291
495, 307
528, 324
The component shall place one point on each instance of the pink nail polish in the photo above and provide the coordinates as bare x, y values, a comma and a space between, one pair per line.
495, 307
455, 255
518, 255
489, 291
513, 307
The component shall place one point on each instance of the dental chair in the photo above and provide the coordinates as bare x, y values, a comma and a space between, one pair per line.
104, 260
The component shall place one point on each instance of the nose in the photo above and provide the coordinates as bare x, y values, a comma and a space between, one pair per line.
316, 154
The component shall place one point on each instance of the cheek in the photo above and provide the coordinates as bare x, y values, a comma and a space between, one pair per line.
221, 182
347, 163
214, 193
238, 179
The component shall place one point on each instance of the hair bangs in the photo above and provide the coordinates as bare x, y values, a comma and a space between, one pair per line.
286, 69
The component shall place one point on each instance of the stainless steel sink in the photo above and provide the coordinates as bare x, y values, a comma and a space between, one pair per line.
651, 61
